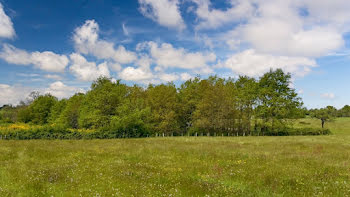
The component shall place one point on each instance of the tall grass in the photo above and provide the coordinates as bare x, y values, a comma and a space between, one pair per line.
182, 166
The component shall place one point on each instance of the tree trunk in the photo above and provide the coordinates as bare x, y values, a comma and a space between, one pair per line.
322, 120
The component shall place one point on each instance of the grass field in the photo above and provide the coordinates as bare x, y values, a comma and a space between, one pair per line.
181, 166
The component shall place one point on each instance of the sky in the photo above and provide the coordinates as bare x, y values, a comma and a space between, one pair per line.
61, 46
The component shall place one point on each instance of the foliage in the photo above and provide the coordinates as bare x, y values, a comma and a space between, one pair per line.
324, 114
278, 102
212, 106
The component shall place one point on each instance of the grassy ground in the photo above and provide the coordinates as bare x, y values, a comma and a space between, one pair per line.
181, 166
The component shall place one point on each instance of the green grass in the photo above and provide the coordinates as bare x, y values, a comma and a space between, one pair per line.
181, 166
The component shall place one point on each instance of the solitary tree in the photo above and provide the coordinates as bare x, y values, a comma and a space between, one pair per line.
324, 114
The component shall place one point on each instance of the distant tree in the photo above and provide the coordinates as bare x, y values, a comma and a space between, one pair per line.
323, 114
215, 110
101, 103
189, 96
31, 98
40, 109
162, 100
133, 116
246, 99
278, 102
344, 112
8, 114
56, 110
69, 115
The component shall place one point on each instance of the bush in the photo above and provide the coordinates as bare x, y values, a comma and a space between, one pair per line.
298, 131
25, 132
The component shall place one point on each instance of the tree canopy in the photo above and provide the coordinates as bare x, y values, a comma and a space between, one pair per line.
202, 106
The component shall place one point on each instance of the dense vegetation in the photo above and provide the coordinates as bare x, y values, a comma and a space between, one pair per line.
213, 106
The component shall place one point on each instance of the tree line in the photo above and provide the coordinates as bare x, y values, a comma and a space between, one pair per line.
212, 106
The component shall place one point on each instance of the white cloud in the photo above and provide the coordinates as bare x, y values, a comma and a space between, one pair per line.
329, 96
334, 13
55, 77
87, 71
13, 94
13, 55
47, 60
279, 28
251, 63
185, 76
115, 66
168, 77
164, 12
135, 74
6, 25
166, 56
60, 90
210, 18
281, 37
87, 41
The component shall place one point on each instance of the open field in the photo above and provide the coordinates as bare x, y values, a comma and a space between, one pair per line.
181, 166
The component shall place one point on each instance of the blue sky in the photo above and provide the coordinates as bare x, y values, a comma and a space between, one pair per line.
60, 47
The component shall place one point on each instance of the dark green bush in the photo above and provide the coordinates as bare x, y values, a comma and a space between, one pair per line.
298, 131
61, 132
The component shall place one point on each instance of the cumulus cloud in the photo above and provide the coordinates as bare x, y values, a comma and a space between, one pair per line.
13, 94
185, 76
86, 41
47, 60
6, 25
168, 77
60, 90
87, 71
209, 17
165, 12
135, 74
329, 96
279, 27
281, 37
251, 63
166, 56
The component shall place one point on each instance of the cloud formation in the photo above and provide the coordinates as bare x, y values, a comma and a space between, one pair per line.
210, 18
60, 90
166, 56
6, 25
86, 41
13, 94
165, 13
87, 71
253, 64
47, 60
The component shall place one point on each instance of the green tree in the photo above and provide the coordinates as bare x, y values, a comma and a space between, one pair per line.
344, 112
189, 96
246, 99
133, 116
40, 108
69, 116
215, 110
278, 102
323, 114
162, 100
101, 102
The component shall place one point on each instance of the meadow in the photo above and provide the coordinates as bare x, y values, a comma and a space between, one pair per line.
181, 166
